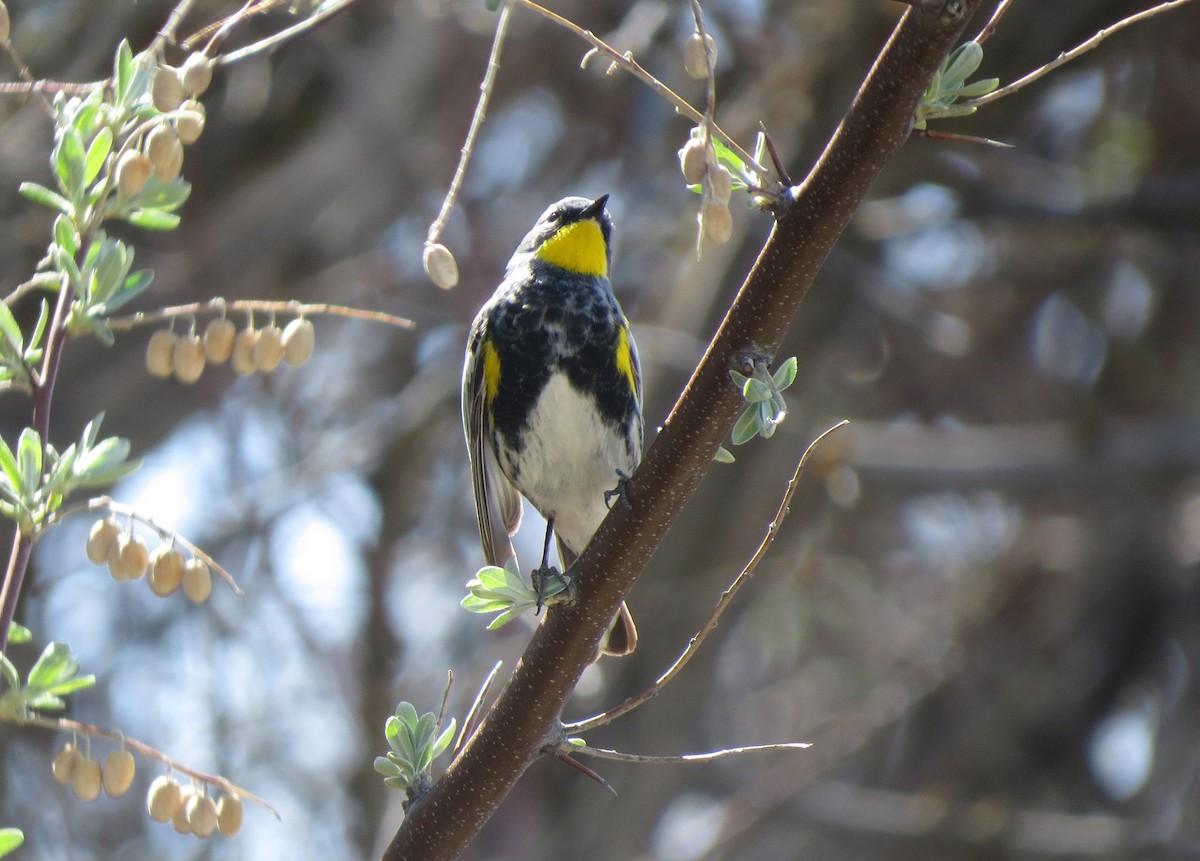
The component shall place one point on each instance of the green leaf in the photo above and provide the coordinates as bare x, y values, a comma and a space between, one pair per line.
786, 374
746, 427
133, 284
10, 839
122, 71
45, 197
70, 160
723, 455
10, 332
962, 63
96, 154
65, 234
53, 666
153, 219
34, 352
167, 196
11, 677
8, 465
29, 460
18, 634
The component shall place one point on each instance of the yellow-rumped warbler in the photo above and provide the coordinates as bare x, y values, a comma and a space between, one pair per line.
552, 392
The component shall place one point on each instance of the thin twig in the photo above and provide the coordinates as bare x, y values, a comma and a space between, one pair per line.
936, 135
445, 696
1072, 54
468, 147
473, 714
167, 34
22, 88
562, 754
146, 318
93, 731
27, 76
635, 69
272, 42
726, 598
711, 756
993, 22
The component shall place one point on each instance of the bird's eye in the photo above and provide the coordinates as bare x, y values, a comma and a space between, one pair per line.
553, 216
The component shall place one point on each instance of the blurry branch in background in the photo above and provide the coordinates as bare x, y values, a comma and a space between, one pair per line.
222, 306
1065, 57
809, 220
726, 599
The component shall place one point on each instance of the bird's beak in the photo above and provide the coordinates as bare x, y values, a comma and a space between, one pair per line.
595, 208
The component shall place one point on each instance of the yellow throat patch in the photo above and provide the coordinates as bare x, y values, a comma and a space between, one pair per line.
578, 248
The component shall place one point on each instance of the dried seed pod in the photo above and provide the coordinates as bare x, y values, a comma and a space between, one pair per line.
133, 169
163, 798
440, 265
268, 349
189, 358
117, 774
179, 819
127, 558
244, 363
5, 23
65, 762
299, 338
693, 160
189, 122
721, 183
201, 815
166, 570
85, 779
196, 74
693, 55
197, 580
718, 223
165, 152
166, 92
160, 353
229, 814
101, 539
218, 340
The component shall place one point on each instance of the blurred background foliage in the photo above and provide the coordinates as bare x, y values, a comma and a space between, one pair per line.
984, 608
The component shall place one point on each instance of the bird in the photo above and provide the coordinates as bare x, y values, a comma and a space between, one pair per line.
552, 393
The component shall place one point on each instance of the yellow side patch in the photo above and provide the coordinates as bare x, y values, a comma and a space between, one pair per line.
491, 371
625, 359
578, 248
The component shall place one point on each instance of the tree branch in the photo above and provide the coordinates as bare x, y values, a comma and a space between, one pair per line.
525, 718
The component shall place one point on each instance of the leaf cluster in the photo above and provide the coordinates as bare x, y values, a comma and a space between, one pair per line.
949, 85
504, 591
52, 677
35, 479
415, 744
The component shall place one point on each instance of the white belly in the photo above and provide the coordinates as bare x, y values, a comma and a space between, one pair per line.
565, 474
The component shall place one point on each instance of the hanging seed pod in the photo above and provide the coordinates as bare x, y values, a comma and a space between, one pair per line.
133, 169
163, 799
299, 338
65, 762
166, 92
197, 580
189, 358
101, 539
179, 819
693, 55
244, 363
127, 558
202, 815
718, 223
440, 265
85, 779
196, 74
160, 353
118, 772
165, 152
268, 349
189, 122
218, 340
229, 814
166, 570
721, 183
693, 161
5, 23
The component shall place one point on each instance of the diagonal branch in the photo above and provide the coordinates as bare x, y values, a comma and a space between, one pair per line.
525, 718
